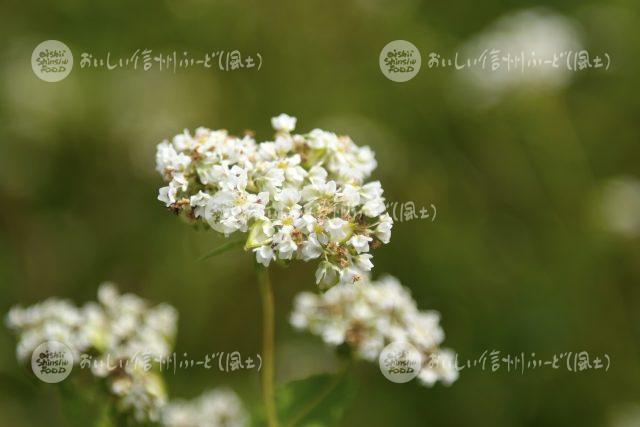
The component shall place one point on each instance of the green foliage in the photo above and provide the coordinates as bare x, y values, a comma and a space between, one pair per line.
316, 401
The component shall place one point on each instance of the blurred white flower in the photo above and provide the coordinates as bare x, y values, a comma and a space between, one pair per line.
131, 329
536, 34
53, 319
215, 408
371, 314
127, 336
123, 333
619, 206
141, 393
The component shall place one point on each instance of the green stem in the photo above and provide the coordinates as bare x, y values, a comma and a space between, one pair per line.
268, 394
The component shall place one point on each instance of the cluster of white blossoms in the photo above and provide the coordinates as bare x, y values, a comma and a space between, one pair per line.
120, 338
50, 320
140, 392
372, 314
215, 408
618, 206
527, 38
298, 196
126, 327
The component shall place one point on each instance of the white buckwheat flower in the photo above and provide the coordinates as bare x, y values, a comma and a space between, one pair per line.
283, 123
537, 43
139, 392
215, 408
300, 196
120, 337
130, 329
53, 319
372, 314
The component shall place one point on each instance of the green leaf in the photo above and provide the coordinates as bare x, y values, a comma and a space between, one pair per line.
318, 401
222, 248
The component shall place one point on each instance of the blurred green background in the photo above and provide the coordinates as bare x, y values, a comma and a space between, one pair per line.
535, 247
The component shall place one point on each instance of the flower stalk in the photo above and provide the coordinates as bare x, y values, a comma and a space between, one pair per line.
268, 394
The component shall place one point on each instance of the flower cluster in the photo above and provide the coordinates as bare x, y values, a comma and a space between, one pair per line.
50, 320
128, 337
537, 33
215, 408
618, 206
126, 327
370, 315
139, 392
120, 330
298, 196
